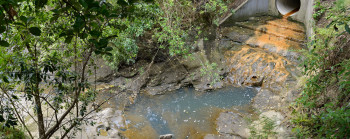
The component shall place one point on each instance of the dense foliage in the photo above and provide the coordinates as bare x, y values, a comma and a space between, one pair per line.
323, 109
11, 133
49, 48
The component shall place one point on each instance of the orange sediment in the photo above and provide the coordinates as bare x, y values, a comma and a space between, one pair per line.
282, 34
290, 13
264, 54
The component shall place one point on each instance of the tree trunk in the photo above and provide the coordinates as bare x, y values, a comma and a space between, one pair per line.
40, 117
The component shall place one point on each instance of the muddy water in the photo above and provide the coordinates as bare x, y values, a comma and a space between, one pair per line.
185, 113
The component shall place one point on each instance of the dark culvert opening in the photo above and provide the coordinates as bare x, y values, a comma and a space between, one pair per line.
286, 6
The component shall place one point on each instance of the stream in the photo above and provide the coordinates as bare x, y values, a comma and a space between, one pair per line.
183, 113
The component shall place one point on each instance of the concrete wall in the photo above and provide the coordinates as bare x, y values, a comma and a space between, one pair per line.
269, 7
309, 20
304, 14
252, 8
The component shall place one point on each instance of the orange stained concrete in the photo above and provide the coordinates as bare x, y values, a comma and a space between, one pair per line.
280, 33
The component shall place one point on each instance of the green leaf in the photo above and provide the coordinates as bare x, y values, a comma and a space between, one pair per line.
29, 19
4, 78
95, 33
79, 23
2, 29
40, 3
102, 43
83, 3
329, 24
122, 2
62, 34
149, 1
2, 119
68, 39
97, 52
54, 18
347, 28
83, 35
35, 31
20, 24
4, 43
23, 19
14, 97
109, 54
108, 48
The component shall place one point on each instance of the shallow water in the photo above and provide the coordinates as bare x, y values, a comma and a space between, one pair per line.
185, 113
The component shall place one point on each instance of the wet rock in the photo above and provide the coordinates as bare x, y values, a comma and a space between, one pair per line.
237, 34
195, 60
266, 100
202, 82
232, 124
170, 74
289, 54
161, 89
207, 85
255, 67
131, 71
166, 136
255, 81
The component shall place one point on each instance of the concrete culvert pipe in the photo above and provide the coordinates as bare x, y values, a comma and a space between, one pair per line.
286, 6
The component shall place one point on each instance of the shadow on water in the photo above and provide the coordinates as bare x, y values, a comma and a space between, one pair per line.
184, 112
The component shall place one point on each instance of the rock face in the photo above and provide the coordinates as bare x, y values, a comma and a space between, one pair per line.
266, 58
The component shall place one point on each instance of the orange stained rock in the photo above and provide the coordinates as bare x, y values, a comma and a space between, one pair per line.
282, 23
285, 33
244, 59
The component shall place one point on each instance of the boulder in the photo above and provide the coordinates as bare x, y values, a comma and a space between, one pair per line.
277, 118
232, 124
266, 100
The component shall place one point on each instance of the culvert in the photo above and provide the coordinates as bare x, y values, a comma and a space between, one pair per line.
286, 6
